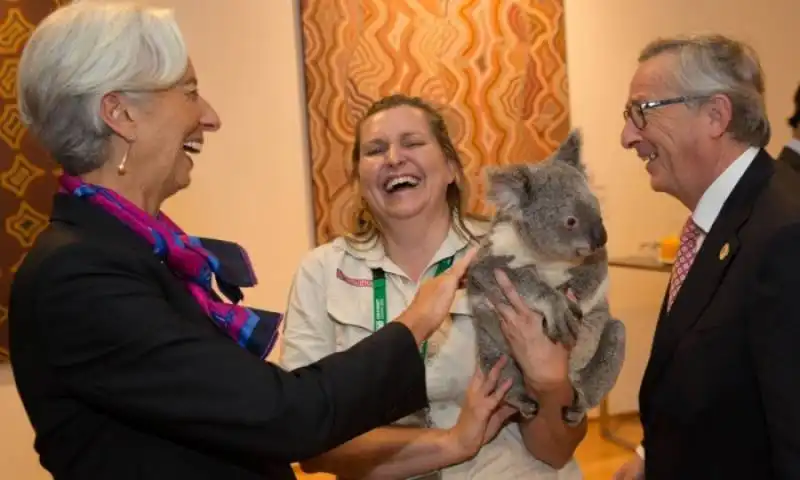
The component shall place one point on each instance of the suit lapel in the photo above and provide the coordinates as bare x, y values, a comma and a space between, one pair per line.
718, 251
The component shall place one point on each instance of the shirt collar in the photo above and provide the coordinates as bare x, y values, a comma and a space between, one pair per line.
794, 144
714, 198
374, 255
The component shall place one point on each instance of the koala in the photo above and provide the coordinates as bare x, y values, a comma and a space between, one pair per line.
548, 236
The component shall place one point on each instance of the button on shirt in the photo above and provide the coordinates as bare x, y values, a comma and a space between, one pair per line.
331, 308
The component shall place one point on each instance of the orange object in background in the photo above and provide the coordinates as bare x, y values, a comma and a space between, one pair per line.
668, 249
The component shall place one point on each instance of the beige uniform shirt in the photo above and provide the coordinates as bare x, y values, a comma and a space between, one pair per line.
331, 308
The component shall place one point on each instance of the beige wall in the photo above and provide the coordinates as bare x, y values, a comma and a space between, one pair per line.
247, 59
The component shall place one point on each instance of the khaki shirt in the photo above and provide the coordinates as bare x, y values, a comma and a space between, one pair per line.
331, 308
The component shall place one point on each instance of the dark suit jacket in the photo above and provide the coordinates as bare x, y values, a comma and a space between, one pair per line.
719, 398
123, 376
790, 157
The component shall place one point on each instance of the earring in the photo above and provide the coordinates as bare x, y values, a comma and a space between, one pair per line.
121, 168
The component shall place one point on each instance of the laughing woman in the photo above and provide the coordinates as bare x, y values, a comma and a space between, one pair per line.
409, 226
127, 362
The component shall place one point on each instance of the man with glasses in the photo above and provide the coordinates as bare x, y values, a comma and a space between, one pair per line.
791, 152
719, 397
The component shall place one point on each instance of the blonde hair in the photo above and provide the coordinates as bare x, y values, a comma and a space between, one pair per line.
363, 227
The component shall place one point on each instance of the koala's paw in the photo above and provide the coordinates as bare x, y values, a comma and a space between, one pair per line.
527, 407
562, 325
575, 308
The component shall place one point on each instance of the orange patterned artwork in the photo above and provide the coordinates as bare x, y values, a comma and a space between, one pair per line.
27, 175
496, 68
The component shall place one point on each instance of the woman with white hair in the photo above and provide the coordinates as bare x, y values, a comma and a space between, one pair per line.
128, 363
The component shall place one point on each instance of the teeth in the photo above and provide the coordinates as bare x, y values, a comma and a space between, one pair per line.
193, 147
413, 181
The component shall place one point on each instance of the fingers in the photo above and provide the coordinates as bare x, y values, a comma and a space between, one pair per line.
501, 391
500, 416
494, 375
505, 412
459, 267
510, 292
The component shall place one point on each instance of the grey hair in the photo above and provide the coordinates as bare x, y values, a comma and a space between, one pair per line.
714, 64
83, 51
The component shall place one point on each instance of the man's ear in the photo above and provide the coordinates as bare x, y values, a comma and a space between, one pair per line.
719, 109
506, 185
114, 111
570, 150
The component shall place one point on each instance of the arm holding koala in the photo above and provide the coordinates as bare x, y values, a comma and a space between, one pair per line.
545, 366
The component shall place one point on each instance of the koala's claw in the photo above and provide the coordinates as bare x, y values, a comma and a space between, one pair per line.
564, 324
575, 308
527, 407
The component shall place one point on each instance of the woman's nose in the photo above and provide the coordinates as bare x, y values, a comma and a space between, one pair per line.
394, 155
210, 119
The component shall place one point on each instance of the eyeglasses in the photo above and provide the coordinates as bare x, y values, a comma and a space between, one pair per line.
635, 111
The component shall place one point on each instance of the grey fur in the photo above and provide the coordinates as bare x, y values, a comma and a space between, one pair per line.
530, 241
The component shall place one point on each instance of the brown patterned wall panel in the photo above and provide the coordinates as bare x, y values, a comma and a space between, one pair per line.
27, 175
496, 67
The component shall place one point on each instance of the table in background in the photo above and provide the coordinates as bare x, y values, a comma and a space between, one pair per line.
634, 263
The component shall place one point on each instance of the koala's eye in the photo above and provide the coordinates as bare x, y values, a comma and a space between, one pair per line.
571, 222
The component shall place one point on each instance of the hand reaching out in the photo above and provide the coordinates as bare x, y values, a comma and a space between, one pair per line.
483, 413
431, 305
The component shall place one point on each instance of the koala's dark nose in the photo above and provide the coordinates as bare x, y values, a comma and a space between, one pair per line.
598, 235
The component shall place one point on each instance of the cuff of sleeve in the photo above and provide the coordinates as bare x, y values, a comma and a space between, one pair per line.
640, 451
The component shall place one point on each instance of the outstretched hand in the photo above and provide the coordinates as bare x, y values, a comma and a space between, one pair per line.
431, 305
484, 412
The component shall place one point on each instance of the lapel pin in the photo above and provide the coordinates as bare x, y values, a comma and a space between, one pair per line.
724, 251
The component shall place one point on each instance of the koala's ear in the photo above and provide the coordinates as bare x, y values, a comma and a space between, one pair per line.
570, 150
506, 185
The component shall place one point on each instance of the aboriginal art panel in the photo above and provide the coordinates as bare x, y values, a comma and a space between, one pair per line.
27, 174
495, 68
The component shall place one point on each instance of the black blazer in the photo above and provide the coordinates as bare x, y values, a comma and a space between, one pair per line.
719, 398
790, 157
124, 377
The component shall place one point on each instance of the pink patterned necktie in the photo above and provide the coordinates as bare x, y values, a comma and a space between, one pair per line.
690, 236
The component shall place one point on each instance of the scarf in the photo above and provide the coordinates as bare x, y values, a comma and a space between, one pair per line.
254, 330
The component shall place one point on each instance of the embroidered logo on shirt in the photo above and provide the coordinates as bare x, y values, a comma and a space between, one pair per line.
356, 282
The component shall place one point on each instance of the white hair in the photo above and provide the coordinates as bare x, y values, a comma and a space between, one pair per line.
714, 64
83, 51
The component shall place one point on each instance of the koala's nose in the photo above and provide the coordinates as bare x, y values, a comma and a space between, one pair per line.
598, 235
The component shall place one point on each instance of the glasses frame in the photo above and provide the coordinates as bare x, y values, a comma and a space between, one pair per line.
636, 110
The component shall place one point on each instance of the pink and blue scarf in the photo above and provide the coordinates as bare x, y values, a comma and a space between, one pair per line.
254, 330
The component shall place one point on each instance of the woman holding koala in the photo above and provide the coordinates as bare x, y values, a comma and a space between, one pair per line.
410, 225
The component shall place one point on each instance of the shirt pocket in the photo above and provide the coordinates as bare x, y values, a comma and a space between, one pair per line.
350, 309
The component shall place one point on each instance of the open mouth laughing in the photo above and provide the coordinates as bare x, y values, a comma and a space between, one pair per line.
401, 183
193, 146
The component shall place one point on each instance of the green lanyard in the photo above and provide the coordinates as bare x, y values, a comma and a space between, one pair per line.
379, 296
